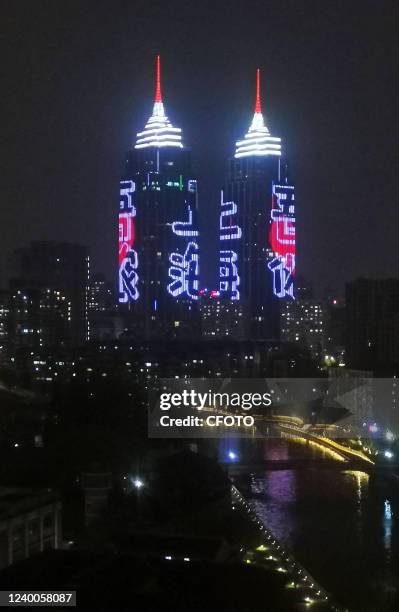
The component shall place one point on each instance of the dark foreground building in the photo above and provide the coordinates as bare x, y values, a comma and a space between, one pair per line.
30, 522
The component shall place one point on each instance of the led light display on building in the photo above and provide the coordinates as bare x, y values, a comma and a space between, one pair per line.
258, 140
282, 240
228, 258
228, 230
229, 279
159, 131
128, 258
183, 271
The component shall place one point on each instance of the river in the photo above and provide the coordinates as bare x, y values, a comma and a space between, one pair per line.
340, 524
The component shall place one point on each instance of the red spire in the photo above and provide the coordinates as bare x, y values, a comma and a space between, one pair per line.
257, 103
158, 95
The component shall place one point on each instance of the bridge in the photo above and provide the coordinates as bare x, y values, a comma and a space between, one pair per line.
336, 455
236, 469
340, 456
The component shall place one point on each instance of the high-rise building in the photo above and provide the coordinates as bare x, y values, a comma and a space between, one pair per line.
257, 228
39, 319
39, 323
158, 235
54, 274
100, 294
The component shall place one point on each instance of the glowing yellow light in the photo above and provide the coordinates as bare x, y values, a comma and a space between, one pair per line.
325, 449
346, 450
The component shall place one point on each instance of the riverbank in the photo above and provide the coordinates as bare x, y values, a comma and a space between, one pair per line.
264, 550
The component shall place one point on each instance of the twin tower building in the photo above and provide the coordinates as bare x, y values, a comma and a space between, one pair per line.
159, 249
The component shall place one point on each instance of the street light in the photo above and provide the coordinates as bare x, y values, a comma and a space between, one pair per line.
138, 483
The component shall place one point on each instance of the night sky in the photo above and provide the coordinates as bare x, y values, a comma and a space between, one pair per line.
77, 84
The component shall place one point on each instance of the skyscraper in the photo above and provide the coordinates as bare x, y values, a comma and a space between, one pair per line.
158, 235
257, 228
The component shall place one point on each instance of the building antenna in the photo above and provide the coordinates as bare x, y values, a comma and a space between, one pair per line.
158, 95
258, 108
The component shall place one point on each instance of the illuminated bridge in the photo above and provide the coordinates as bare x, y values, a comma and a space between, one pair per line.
336, 455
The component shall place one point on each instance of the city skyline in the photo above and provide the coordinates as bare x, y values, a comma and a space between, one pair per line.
70, 119
159, 256
199, 305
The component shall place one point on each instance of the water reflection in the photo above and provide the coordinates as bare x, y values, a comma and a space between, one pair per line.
387, 527
342, 526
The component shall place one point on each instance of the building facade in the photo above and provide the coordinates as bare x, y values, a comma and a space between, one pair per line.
103, 314
30, 522
257, 229
220, 316
52, 280
158, 234
302, 321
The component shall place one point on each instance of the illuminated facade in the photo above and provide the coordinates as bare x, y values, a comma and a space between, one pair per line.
128, 259
158, 234
258, 141
282, 240
257, 229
